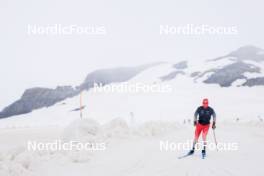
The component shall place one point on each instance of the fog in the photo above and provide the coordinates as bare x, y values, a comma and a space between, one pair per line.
132, 36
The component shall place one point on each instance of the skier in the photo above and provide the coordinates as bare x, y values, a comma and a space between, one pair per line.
202, 117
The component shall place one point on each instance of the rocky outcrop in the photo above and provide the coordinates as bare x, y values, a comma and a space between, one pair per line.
232, 72
229, 74
171, 75
178, 70
246, 53
35, 98
181, 65
254, 82
107, 76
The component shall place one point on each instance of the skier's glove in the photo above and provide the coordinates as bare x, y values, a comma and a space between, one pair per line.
213, 126
195, 123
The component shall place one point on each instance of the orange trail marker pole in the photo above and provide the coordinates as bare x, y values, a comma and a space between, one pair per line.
81, 106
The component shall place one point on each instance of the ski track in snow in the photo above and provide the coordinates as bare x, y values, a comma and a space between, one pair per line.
138, 155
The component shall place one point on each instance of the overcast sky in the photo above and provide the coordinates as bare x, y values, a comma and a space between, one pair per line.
132, 37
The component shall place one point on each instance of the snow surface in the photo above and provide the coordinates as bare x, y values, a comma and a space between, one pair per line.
132, 150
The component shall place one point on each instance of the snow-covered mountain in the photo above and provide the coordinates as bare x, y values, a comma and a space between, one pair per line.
234, 79
132, 124
244, 67
38, 97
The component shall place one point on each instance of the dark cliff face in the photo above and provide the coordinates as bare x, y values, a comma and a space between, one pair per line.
107, 76
246, 53
178, 70
181, 65
36, 98
254, 82
249, 53
229, 74
235, 71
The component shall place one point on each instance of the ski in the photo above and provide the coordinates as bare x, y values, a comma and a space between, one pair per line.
184, 156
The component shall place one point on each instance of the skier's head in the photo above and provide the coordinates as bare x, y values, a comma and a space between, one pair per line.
205, 102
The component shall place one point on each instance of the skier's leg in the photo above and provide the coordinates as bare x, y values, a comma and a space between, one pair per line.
197, 133
204, 135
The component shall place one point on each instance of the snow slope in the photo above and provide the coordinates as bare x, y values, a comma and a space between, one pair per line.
177, 104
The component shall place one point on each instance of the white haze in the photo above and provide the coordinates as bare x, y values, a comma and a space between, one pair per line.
132, 37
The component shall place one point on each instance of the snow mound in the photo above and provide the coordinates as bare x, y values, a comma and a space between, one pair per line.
89, 130
156, 128
22, 162
17, 162
116, 128
82, 130
14, 170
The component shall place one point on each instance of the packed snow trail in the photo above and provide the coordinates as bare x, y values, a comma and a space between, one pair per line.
141, 155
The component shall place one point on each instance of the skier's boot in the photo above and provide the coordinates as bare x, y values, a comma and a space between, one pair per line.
203, 153
191, 152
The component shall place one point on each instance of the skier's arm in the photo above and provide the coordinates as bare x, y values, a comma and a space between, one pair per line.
214, 116
196, 116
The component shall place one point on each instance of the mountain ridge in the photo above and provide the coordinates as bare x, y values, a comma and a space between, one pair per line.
234, 67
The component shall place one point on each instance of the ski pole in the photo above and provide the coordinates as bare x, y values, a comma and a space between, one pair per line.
215, 139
